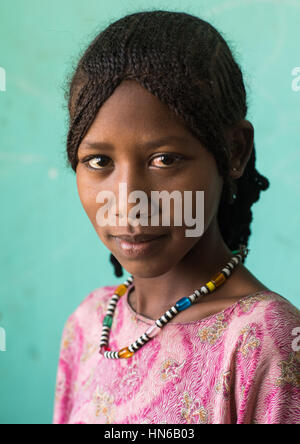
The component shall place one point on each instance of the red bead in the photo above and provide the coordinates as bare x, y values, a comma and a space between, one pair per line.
103, 349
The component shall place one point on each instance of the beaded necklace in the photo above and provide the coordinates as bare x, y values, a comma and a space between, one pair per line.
181, 304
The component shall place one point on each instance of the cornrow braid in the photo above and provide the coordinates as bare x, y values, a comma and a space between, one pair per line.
187, 64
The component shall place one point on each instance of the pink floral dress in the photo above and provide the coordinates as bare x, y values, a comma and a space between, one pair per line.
239, 366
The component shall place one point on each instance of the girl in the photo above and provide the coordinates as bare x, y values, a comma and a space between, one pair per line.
157, 102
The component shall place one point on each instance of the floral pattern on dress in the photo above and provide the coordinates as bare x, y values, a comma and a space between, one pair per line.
290, 370
249, 340
193, 411
171, 369
214, 332
104, 405
132, 376
247, 303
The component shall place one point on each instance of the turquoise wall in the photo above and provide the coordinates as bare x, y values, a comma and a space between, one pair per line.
50, 256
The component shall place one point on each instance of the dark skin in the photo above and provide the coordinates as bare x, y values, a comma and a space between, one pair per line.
130, 117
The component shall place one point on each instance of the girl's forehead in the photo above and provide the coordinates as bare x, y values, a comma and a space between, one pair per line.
132, 110
136, 101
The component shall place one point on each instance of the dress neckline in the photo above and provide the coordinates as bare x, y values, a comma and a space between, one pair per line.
149, 321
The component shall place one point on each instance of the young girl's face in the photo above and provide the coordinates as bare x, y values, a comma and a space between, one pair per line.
129, 119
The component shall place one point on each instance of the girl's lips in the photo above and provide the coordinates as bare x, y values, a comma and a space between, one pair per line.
136, 249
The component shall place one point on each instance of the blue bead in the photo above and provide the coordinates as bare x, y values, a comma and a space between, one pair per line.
182, 304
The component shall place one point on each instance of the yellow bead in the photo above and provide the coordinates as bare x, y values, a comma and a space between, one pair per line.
210, 285
121, 289
125, 353
218, 279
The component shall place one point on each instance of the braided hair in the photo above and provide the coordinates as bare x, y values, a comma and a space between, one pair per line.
186, 63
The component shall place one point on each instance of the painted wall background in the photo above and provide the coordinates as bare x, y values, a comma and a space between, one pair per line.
50, 256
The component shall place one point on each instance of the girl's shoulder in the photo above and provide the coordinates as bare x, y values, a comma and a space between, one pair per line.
266, 304
268, 317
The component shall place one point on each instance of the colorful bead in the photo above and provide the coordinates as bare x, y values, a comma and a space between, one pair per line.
103, 349
192, 297
152, 331
210, 285
108, 321
183, 303
125, 353
204, 290
218, 279
111, 355
226, 271
121, 290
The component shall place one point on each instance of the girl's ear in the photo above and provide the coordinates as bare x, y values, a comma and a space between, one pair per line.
241, 138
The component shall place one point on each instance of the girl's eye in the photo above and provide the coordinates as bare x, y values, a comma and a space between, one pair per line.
168, 158
96, 162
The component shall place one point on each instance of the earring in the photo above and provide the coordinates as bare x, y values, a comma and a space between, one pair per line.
232, 192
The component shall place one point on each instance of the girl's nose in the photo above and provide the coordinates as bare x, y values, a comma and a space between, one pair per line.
133, 190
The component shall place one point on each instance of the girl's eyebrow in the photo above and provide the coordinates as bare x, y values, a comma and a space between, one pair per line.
147, 145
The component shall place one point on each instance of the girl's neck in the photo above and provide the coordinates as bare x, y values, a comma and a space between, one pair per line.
153, 295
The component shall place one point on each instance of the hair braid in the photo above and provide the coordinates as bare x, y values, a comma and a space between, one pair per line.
205, 90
